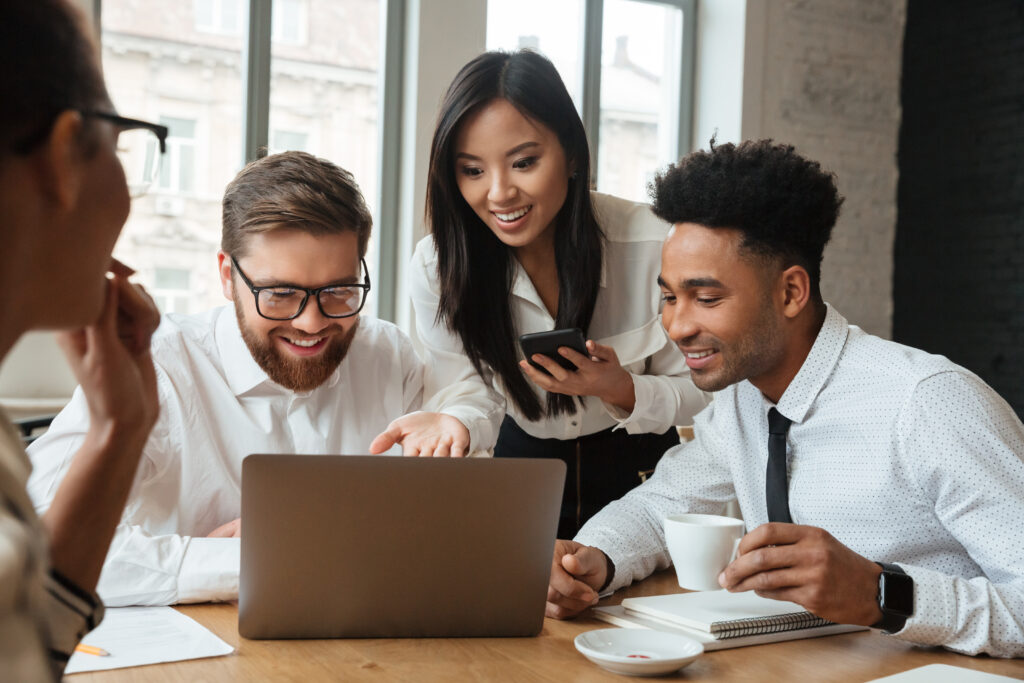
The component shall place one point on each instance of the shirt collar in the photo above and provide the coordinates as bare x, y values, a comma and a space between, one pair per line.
523, 288
819, 365
240, 370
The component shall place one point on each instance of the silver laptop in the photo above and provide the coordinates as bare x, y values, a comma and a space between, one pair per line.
385, 546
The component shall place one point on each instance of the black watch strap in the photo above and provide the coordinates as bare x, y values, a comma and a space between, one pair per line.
895, 598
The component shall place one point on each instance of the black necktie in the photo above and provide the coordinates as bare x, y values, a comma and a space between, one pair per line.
776, 484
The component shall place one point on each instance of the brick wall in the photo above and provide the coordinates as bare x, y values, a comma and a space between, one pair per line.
824, 75
959, 254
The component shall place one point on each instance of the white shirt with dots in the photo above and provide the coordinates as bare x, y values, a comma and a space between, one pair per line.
902, 456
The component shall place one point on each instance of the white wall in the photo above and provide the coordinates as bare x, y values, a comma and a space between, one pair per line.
825, 77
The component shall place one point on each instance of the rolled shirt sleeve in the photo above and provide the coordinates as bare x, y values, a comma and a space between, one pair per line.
957, 445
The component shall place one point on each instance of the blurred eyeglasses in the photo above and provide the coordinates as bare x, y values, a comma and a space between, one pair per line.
140, 145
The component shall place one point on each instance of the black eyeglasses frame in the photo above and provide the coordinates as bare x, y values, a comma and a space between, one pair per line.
315, 293
30, 142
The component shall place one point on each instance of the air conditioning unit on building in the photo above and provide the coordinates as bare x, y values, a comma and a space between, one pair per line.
169, 206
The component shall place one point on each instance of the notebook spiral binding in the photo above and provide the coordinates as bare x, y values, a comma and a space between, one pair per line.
759, 625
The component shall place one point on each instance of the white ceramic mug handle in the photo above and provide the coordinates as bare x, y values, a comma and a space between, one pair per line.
735, 549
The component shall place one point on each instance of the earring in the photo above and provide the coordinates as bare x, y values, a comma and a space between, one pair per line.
573, 175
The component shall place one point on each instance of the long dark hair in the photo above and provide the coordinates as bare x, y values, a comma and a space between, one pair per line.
474, 267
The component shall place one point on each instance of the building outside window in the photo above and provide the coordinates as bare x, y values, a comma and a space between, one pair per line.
171, 289
219, 16
181, 63
289, 22
288, 140
640, 69
178, 165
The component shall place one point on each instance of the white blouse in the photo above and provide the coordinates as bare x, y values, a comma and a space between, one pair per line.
627, 317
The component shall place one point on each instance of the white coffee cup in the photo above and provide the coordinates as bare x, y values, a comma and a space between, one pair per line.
702, 546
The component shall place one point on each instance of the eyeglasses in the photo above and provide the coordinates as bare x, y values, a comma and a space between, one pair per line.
140, 145
286, 302
137, 144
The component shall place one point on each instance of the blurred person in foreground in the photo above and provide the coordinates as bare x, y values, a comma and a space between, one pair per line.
63, 201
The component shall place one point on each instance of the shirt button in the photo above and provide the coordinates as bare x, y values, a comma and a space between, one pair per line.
574, 423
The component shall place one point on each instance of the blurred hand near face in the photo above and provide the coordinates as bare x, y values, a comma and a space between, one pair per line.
111, 361
425, 434
600, 374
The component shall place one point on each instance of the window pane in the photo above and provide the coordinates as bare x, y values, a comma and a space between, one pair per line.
641, 54
170, 278
160, 67
551, 27
284, 140
323, 93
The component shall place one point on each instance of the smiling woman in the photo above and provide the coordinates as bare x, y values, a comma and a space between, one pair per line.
520, 244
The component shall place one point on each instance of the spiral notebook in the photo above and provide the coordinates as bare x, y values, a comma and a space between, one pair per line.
725, 615
720, 620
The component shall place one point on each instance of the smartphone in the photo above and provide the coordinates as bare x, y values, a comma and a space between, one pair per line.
548, 343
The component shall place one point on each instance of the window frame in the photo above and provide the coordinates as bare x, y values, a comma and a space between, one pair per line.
256, 133
590, 88
257, 21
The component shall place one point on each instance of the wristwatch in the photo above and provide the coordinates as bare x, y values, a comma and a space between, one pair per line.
895, 598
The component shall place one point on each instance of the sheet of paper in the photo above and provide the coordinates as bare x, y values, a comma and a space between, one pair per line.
135, 636
943, 673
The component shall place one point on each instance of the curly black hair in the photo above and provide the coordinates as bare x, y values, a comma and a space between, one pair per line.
785, 205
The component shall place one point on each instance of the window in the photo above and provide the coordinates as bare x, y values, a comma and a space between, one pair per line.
289, 22
640, 62
184, 64
171, 289
178, 165
218, 16
286, 140
324, 96
514, 24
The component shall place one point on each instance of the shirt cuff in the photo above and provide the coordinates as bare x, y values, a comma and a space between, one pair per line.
642, 407
209, 571
934, 608
71, 613
479, 427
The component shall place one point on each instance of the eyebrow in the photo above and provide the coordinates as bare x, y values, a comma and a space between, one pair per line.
340, 282
512, 152
694, 283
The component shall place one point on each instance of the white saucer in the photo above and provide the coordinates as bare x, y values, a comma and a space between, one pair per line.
638, 651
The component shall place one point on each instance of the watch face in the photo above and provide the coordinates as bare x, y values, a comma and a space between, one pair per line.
897, 593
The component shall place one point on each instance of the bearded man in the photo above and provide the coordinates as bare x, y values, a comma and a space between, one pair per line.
291, 369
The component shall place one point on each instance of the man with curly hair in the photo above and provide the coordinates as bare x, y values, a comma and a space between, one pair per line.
878, 483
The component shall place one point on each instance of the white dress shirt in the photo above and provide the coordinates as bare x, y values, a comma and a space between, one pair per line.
216, 407
42, 615
627, 317
902, 456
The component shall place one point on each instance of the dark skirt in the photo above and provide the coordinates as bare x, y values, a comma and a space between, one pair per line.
600, 467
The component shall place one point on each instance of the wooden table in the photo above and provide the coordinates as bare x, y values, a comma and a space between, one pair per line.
860, 656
